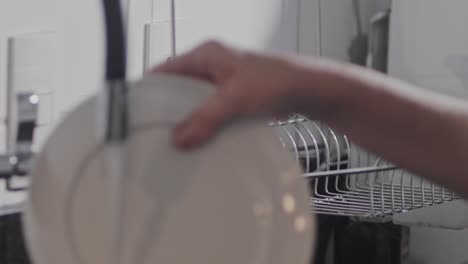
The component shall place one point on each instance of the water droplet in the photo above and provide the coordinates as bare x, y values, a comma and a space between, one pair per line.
289, 203
300, 224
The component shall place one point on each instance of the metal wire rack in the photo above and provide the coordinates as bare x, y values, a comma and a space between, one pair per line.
344, 179
349, 181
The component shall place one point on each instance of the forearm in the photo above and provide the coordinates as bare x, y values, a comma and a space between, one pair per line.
417, 130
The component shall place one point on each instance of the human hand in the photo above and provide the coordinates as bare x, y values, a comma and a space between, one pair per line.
250, 84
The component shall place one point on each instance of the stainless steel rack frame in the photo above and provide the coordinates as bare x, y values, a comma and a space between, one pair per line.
346, 180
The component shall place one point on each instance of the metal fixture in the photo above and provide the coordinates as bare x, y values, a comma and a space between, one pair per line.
346, 180
18, 162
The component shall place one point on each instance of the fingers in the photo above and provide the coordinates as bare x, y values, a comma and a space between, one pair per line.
206, 121
208, 61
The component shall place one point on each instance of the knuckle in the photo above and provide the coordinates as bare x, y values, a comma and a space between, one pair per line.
213, 45
209, 47
213, 48
207, 120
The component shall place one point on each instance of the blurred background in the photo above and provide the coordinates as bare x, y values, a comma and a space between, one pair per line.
55, 49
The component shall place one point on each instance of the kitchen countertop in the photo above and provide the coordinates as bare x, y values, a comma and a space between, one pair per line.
11, 202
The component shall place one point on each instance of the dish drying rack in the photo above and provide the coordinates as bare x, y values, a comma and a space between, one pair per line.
349, 181
344, 179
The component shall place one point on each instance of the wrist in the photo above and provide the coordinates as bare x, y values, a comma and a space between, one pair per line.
323, 90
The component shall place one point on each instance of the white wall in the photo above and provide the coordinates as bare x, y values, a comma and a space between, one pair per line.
76, 43
75, 49
256, 24
289, 25
77, 40
429, 48
429, 44
338, 26
435, 246
79, 68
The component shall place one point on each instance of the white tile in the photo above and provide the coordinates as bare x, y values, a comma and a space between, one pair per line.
161, 10
308, 27
427, 45
32, 62
3, 104
46, 110
35, 79
32, 67
32, 49
188, 37
157, 43
3, 137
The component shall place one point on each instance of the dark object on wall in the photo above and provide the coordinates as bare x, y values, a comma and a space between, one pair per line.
12, 245
358, 49
368, 243
379, 36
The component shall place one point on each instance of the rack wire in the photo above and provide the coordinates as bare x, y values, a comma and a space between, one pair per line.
347, 180
343, 178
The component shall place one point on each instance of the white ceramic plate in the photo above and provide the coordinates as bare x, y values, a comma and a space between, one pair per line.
238, 199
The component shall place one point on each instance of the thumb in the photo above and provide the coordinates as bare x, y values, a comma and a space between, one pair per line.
206, 121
